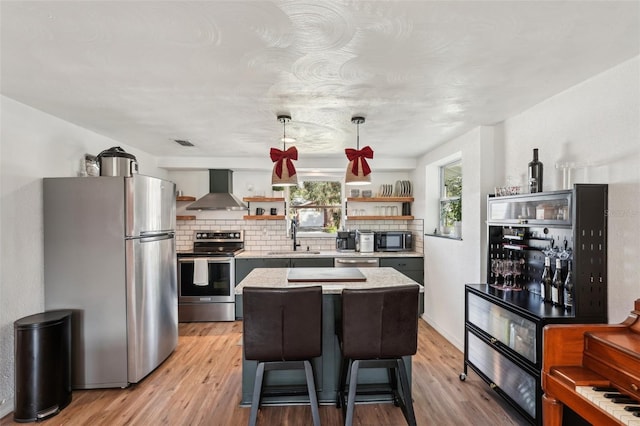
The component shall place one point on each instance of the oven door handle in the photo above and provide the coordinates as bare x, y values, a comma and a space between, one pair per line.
209, 259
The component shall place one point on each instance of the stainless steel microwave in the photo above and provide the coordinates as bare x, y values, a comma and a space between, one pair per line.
394, 241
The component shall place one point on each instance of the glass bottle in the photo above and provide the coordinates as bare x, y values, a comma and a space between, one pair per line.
535, 173
568, 289
557, 285
545, 281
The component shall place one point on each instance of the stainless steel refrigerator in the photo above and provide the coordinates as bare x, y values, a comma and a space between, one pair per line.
109, 255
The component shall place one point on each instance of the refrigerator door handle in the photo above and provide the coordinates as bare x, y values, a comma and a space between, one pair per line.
154, 233
153, 236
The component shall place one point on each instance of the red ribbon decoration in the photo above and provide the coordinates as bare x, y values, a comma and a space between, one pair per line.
279, 156
362, 154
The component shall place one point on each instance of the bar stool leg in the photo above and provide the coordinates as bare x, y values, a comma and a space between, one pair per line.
407, 403
313, 399
393, 381
257, 390
342, 382
351, 398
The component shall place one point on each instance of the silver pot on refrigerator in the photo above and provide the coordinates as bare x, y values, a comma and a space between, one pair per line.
116, 162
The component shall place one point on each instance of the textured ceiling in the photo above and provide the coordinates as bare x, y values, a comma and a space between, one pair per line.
218, 73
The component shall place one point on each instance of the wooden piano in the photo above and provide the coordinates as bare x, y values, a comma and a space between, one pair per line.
578, 358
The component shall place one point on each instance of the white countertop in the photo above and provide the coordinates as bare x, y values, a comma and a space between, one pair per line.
326, 253
277, 277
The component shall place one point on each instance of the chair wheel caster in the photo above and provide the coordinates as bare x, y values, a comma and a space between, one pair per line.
463, 377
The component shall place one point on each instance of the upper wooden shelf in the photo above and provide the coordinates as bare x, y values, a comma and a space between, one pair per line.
263, 217
189, 217
185, 198
262, 199
381, 199
380, 217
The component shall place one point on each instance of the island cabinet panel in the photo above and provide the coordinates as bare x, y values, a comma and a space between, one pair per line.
245, 266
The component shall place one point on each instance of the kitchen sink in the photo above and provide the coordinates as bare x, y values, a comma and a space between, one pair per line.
290, 252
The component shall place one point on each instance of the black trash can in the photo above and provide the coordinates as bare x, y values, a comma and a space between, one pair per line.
42, 365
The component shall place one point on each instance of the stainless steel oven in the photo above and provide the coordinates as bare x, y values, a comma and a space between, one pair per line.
206, 277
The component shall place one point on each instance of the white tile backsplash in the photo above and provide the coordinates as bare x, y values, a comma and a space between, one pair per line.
271, 235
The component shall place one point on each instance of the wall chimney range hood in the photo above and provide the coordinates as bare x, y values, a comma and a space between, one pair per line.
220, 196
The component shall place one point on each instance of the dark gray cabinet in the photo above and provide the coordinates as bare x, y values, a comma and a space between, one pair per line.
244, 266
307, 262
412, 267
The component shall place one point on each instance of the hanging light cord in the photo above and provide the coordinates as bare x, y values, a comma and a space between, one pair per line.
284, 134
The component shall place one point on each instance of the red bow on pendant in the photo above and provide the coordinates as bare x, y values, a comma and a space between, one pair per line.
279, 156
362, 154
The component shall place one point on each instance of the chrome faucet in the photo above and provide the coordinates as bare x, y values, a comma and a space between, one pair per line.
294, 231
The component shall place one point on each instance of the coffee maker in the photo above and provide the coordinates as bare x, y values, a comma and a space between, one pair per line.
346, 241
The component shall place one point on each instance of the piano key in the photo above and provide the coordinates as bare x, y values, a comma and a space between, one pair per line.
613, 394
632, 408
617, 410
604, 389
624, 401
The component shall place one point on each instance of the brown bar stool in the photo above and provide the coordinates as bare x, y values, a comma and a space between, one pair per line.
379, 326
282, 330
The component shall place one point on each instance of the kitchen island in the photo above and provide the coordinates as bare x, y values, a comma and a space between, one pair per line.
327, 367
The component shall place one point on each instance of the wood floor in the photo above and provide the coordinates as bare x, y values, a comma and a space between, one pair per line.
200, 385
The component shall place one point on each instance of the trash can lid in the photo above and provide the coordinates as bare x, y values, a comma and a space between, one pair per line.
42, 319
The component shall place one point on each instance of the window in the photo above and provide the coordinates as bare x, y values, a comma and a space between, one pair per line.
450, 196
316, 206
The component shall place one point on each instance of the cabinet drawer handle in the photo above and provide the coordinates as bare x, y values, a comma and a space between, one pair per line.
634, 387
493, 340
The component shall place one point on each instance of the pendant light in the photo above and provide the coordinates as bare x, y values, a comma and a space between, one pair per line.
358, 171
284, 172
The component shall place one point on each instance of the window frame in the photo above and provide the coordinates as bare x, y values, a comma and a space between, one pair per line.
302, 177
446, 200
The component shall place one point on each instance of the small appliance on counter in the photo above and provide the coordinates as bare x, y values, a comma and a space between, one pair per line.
394, 241
365, 241
346, 241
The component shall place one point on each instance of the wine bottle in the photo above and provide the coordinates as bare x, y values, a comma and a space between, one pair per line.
556, 285
535, 173
568, 289
545, 281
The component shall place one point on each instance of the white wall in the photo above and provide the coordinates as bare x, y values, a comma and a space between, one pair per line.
597, 124
450, 263
33, 145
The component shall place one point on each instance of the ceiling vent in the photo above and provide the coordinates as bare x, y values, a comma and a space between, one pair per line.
183, 142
